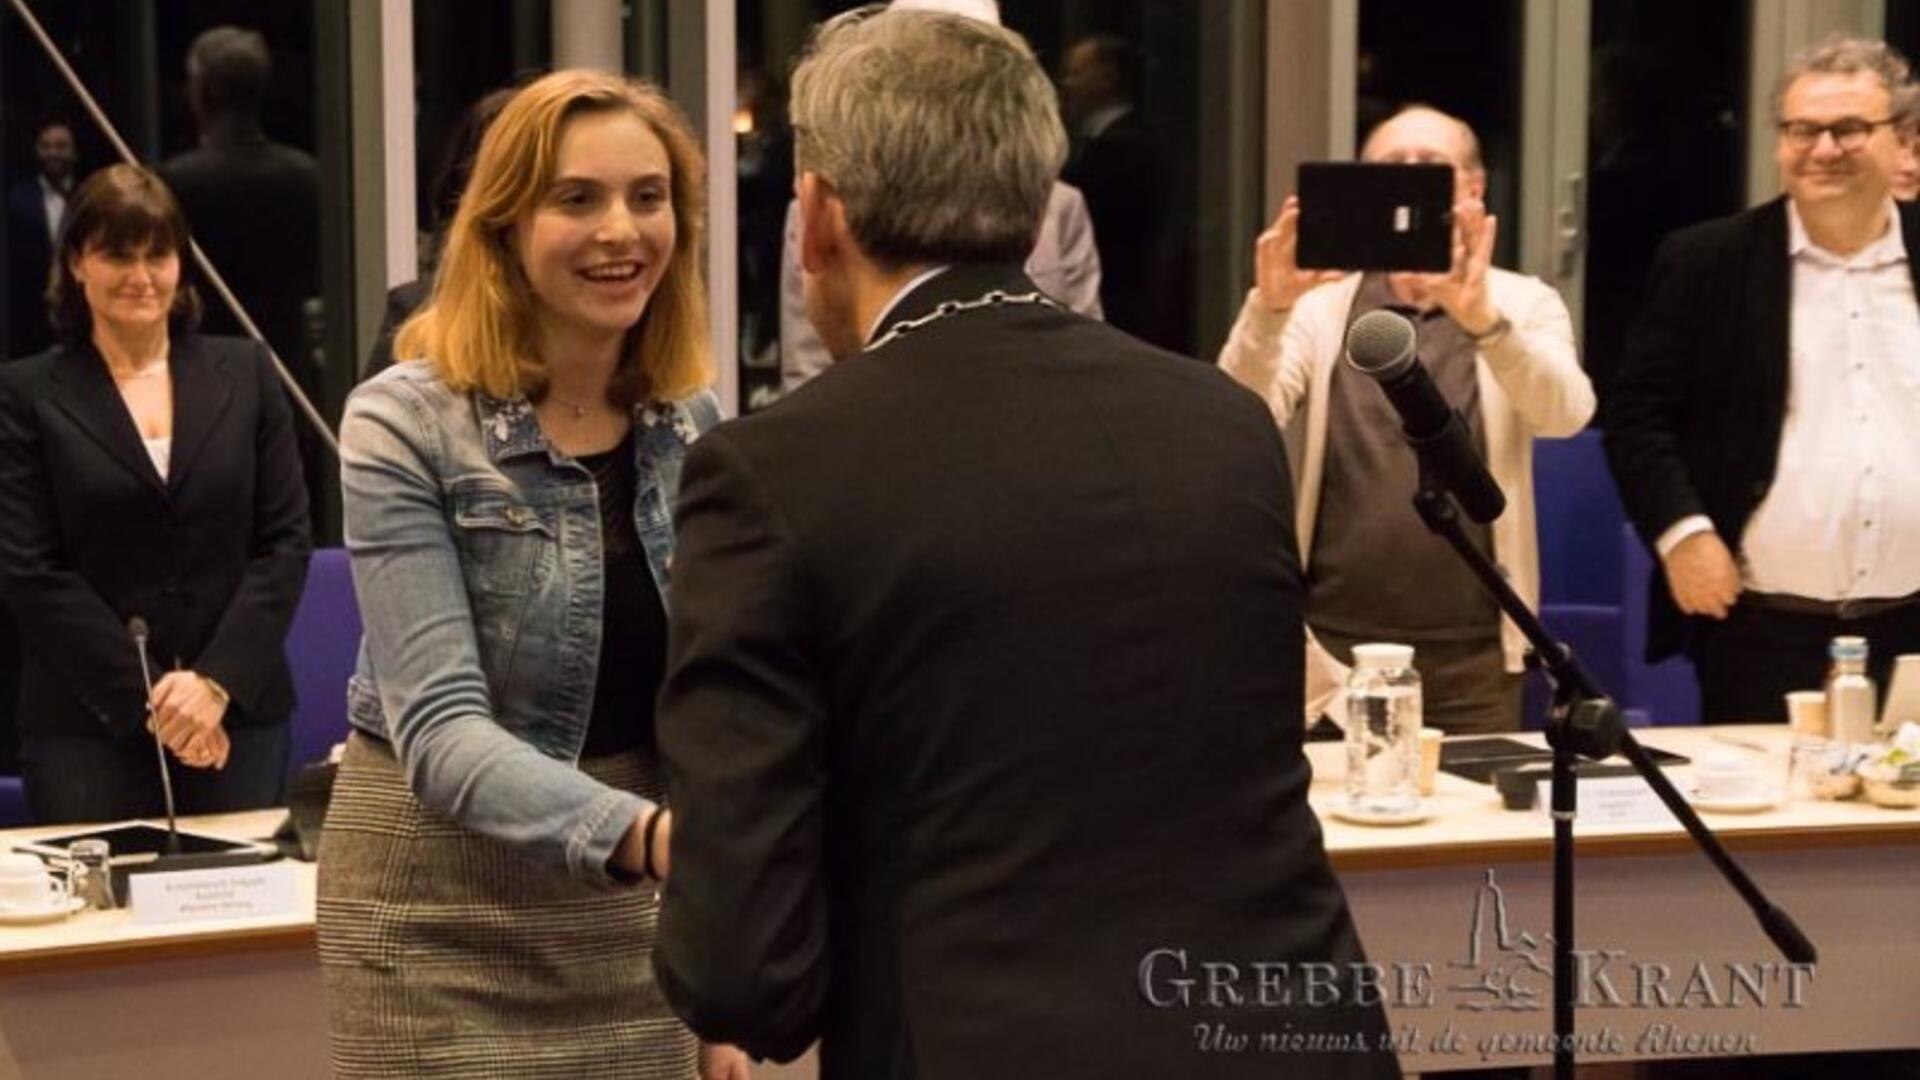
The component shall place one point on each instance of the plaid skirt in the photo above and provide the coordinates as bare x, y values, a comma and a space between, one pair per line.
449, 954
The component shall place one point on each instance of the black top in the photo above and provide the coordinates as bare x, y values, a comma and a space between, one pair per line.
633, 622
986, 681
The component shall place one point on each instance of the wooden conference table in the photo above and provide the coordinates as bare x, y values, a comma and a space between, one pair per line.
96, 996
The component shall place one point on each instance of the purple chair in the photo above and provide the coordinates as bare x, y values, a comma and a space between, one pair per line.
1579, 517
321, 646
13, 803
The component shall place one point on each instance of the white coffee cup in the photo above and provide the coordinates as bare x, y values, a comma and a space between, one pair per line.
27, 885
1727, 779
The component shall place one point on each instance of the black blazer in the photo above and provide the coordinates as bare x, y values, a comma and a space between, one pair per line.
1694, 422
985, 682
213, 557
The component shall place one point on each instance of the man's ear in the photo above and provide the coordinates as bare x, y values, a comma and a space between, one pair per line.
823, 223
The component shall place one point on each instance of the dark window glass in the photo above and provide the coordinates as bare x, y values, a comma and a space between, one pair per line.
1903, 28
1666, 147
1414, 52
462, 51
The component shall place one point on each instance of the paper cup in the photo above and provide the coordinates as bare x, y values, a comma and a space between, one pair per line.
1429, 759
1807, 712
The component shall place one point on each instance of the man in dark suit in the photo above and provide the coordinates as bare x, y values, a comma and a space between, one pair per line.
35, 207
1765, 427
1117, 164
982, 725
254, 203
255, 209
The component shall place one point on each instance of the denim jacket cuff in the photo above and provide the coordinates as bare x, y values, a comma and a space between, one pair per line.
591, 845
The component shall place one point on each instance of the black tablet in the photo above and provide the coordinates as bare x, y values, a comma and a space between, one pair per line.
139, 842
1359, 216
1479, 758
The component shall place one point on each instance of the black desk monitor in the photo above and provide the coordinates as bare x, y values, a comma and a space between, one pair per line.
1358, 216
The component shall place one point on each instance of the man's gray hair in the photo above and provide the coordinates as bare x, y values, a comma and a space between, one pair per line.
1841, 55
940, 134
1906, 109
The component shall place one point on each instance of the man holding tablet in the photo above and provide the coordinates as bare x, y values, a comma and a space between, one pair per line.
1500, 347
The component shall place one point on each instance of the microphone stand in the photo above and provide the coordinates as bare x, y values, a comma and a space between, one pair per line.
1584, 722
159, 748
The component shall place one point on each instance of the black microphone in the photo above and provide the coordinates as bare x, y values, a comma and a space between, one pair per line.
137, 627
1380, 345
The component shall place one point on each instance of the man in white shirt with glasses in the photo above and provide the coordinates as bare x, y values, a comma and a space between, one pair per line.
1765, 426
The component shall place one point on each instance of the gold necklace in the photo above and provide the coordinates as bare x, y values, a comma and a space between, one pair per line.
579, 410
950, 308
157, 367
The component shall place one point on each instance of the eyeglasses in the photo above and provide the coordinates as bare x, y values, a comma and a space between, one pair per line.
1849, 134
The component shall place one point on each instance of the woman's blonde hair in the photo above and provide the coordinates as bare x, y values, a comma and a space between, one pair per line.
478, 329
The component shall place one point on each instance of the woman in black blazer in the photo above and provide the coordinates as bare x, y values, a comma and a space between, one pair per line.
146, 471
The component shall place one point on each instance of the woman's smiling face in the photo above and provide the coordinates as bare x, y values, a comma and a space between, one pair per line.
597, 243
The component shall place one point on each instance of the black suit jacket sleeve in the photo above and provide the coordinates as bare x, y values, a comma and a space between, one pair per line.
246, 645
73, 628
1648, 411
742, 952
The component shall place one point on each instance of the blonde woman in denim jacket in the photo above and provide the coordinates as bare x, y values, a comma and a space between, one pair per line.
486, 876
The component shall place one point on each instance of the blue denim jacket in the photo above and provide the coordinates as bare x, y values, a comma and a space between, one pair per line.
477, 563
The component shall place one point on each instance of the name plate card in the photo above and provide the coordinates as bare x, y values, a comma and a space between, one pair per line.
213, 895
1611, 800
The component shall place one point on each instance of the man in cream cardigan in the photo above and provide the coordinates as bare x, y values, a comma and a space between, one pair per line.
1500, 346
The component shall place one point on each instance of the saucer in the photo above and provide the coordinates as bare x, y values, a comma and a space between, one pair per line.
36, 916
1758, 803
1355, 816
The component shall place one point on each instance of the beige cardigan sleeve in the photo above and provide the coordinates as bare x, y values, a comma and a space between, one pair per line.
1537, 363
1271, 353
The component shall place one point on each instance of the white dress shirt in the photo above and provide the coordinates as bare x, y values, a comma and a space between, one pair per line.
1101, 119
55, 202
1842, 518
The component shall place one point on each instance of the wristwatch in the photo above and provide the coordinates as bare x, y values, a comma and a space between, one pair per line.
1492, 333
